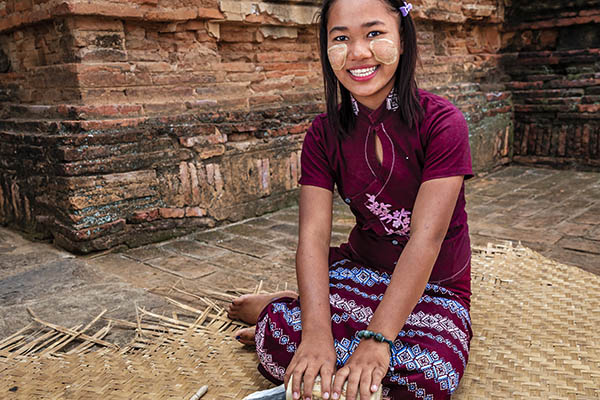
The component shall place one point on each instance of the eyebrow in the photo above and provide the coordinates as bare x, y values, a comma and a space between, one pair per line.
365, 25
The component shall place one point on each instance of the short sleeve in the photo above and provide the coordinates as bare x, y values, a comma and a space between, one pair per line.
314, 163
447, 150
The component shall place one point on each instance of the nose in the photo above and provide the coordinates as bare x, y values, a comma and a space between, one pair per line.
360, 50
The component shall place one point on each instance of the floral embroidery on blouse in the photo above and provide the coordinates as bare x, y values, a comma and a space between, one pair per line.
399, 219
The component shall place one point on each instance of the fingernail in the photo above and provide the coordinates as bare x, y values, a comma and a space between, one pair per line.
374, 388
238, 337
296, 395
326, 395
335, 396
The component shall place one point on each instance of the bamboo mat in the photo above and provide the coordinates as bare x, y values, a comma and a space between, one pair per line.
535, 326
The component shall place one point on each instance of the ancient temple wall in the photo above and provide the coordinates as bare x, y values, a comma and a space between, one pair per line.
126, 122
551, 51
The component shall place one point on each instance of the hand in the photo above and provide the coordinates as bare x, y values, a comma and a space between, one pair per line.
364, 370
314, 356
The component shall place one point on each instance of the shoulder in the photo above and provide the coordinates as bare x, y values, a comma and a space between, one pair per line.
320, 127
440, 113
318, 133
436, 106
321, 121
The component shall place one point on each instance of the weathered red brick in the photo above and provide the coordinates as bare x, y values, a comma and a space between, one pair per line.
195, 212
589, 108
210, 13
181, 14
145, 216
209, 151
172, 212
90, 233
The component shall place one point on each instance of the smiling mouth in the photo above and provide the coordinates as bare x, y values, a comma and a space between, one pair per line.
363, 72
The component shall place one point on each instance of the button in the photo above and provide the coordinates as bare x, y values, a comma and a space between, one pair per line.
347, 200
395, 242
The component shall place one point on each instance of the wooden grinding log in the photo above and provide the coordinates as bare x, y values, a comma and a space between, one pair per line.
318, 395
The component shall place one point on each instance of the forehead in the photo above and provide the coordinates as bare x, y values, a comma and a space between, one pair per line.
353, 14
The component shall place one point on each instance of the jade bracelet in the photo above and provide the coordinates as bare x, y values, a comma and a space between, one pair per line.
366, 334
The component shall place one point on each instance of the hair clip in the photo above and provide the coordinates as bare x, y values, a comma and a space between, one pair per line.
406, 9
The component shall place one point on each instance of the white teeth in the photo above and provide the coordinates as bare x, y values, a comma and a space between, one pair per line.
363, 71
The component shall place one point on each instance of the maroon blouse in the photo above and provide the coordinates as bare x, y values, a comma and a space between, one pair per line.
382, 196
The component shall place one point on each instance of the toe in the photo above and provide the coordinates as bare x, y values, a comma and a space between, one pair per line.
245, 336
239, 300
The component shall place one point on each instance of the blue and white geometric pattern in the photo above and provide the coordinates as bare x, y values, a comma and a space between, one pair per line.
439, 323
265, 358
357, 291
358, 313
292, 317
340, 318
278, 334
439, 289
344, 349
351, 303
363, 276
341, 262
437, 338
420, 393
399, 379
429, 363
291, 348
451, 305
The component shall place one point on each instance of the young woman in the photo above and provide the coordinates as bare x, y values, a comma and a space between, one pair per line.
391, 306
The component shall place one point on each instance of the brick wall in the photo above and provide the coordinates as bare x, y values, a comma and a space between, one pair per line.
552, 55
126, 122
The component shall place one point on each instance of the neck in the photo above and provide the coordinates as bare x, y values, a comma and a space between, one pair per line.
374, 101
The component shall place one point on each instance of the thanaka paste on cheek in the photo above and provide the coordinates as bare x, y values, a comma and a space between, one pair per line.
385, 51
337, 56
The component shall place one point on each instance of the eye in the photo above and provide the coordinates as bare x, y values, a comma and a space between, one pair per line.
373, 34
341, 38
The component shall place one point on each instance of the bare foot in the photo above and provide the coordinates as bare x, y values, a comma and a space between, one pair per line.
246, 336
248, 307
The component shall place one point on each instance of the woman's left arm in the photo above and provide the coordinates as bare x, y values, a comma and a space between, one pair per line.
431, 217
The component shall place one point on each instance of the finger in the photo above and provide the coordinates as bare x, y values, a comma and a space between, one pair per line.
309, 381
297, 380
365, 384
378, 375
326, 375
338, 382
353, 382
288, 372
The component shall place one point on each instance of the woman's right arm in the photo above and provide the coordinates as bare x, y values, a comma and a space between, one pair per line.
315, 354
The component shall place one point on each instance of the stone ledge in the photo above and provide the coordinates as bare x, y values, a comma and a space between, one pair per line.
122, 10
559, 162
589, 18
290, 13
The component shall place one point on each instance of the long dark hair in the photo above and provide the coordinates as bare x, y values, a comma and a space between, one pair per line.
410, 110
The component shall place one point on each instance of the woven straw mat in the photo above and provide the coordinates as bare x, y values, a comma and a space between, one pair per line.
535, 326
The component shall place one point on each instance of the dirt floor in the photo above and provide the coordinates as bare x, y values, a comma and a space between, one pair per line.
554, 212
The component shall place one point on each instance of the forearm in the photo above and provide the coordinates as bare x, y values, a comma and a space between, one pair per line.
433, 210
312, 259
406, 286
313, 284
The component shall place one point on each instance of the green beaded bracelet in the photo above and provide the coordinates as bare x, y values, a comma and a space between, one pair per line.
366, 334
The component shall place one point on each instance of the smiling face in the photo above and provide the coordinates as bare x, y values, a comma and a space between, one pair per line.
366, 65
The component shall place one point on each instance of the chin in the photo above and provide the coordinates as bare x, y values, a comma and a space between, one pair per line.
365, 91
